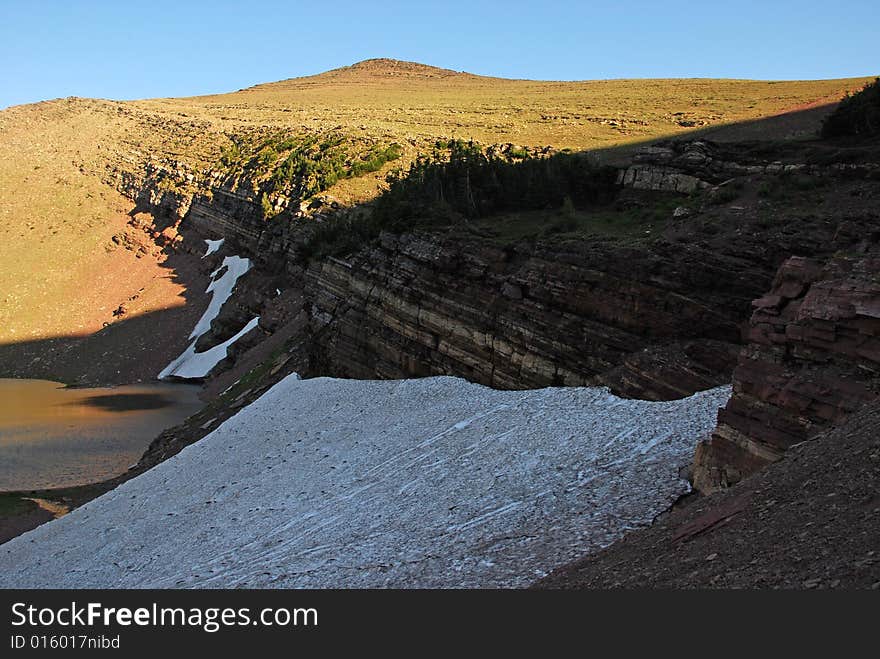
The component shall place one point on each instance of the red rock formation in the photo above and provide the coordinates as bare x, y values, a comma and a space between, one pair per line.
812, 358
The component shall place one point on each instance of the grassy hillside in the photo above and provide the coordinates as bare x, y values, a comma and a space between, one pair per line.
410, 100
58, 275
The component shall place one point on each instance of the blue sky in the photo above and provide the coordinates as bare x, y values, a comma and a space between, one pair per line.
125, 49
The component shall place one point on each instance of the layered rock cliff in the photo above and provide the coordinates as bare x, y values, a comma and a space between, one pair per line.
519, 317
689, 166
812, 358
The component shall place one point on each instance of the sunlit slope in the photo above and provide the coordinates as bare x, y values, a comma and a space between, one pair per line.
60, 273
411, 100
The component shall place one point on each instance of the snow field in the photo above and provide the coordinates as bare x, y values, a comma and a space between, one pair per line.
434, 482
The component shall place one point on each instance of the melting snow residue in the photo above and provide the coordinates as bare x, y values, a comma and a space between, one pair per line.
213, 246
416, 483
192, 364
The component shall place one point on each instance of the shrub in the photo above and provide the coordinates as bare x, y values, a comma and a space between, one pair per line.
310, 167
302, 166
562, 225
374, 160
339, 235
858, 114
230, 155
723, 195
476, 184
266, 205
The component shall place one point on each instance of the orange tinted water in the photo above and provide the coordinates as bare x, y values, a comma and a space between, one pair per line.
52, 436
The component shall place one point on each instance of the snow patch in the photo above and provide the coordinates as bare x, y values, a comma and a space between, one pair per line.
221, 289
434, 482
213, 246
192, 364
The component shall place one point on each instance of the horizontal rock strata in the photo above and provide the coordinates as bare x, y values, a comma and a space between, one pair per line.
812, 358
424, 305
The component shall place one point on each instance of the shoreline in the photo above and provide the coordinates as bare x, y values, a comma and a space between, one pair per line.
62, 442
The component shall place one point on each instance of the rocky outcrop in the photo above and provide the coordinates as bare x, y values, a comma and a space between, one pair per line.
523, 317
671, 371
215, 205
165, 190
667, 179
689, 166
812, 358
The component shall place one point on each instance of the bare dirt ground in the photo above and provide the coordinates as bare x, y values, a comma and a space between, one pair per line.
19, 516
132, 347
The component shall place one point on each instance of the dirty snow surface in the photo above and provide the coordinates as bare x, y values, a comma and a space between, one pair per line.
192, 364
416, 483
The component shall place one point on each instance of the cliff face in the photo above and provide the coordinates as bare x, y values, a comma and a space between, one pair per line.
812, 358
653, 314
523, 317
177, 197
655, 319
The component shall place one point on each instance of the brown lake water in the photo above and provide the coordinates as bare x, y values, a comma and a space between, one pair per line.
52, 436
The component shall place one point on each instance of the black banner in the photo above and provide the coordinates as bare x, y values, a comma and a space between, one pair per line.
123, 621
